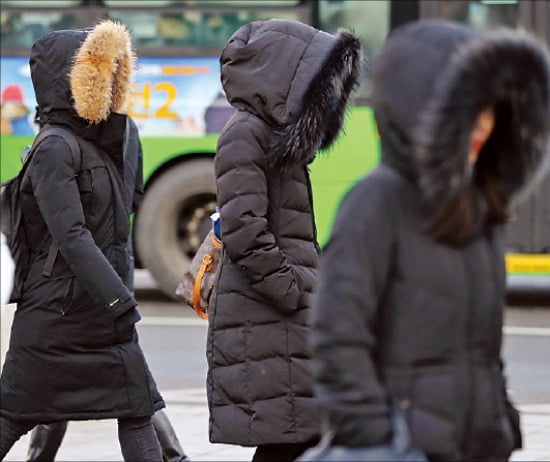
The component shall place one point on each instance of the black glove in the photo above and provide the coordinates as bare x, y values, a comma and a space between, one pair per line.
124, 325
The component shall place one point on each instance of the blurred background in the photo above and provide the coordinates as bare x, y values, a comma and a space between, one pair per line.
179, 106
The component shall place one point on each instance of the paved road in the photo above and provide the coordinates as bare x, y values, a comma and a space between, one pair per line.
526, 352
174, 340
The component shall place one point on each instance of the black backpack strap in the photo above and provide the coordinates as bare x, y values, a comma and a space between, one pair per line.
122, 214
67, 136
121, 222
70, 139
50, 261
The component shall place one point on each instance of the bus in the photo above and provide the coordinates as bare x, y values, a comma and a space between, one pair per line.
179, 107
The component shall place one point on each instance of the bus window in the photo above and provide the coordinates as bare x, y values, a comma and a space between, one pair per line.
20, 29
138, 3
482, 14
244, 3
201, 3
40, 3
207, 29
369, 20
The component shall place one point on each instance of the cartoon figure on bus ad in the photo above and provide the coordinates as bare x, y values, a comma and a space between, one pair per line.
15, 115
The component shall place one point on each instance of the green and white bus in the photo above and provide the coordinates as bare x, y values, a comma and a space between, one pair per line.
180, 108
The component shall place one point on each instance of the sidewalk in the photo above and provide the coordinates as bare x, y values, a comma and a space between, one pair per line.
97, 441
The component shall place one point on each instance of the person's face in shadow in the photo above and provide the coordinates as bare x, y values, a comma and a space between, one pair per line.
482, 130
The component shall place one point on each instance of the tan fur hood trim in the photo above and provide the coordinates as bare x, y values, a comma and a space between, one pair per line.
100, 77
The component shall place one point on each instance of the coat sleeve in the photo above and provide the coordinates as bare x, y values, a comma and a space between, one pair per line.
354, 269
56, 192
243, 201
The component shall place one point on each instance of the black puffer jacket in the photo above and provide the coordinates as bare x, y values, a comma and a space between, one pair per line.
400, 316
290, 84
67, 360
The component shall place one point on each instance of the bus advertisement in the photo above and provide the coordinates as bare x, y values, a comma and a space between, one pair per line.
179, 107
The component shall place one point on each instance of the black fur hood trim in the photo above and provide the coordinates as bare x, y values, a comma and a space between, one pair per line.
324, 106
510, 72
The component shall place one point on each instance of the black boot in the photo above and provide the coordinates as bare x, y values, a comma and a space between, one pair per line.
45, 441
169, 443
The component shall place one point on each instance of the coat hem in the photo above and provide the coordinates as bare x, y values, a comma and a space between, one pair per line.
46, 417
251, 443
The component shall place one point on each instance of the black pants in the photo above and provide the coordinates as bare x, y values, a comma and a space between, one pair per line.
137, 438
46, 440
281, 452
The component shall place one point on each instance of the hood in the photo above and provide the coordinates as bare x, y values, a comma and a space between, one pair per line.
83, 74
403, 78
506, 70
297, 79
430, 82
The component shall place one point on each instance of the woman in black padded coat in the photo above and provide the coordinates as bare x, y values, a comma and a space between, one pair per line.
74, 352
409, 306
290, 84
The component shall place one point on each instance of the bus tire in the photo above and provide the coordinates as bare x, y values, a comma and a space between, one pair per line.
173, 219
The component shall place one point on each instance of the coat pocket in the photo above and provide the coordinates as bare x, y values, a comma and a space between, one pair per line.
87, 381
68, 297
51, 294
429, 400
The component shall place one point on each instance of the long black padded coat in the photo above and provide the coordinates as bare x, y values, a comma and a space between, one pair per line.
400, 317
290, 84
67, 360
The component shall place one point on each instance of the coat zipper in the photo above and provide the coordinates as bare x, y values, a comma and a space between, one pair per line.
310, 196
92, 189
497, 318
469, 361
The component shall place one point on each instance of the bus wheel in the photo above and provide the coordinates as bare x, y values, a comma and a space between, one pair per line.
173, 219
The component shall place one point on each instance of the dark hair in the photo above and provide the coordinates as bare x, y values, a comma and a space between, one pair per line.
484, 202
479, 206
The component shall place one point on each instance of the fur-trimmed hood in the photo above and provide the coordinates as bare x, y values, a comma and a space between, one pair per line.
86, 72
510, 72
297, 79
430, 82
